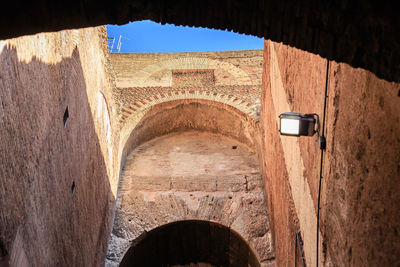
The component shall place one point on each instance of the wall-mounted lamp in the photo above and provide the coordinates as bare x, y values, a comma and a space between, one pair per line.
296, 124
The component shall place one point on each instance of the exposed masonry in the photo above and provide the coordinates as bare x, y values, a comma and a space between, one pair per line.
240, 76
191, 175
144, 80
134, 110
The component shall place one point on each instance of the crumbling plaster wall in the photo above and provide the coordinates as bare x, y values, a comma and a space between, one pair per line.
359, 197
57, 177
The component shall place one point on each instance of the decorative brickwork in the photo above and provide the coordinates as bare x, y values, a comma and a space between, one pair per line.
198, 78
144, 80
136, 100
155, 69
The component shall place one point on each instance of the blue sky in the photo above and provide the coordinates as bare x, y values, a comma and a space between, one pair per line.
150, 37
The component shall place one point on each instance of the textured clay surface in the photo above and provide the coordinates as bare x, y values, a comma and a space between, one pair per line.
55, 178
360, 188
191, 175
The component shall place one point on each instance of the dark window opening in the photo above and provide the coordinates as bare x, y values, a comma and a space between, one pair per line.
3, 254
65, 117
234, 147
73, 188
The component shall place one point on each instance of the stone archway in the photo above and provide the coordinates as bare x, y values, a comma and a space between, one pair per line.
191, 175
192, 160
190, 242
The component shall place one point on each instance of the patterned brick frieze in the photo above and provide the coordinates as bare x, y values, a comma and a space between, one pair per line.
144, 80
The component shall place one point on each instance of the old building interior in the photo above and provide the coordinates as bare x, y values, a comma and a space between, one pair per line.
180, 159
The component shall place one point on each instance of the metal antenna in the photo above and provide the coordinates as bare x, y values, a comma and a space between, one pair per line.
111, 42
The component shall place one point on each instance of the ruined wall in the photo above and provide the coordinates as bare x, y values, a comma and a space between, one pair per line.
359, 194
145, 80
192, 175
57, 180
195, 114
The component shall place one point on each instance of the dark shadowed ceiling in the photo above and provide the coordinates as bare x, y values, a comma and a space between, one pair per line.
363, 33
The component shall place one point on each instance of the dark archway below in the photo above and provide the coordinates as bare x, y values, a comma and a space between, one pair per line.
188, 242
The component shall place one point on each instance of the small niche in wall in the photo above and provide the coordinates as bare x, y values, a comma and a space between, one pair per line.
65, 117
73, 188
234, 147
3, 254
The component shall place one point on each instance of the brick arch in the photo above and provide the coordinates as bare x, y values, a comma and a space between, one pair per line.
239, 195
187, 63
144, 124
136, 110
192, 242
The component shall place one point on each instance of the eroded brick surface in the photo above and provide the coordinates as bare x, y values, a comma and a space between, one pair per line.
191, 175
56, 175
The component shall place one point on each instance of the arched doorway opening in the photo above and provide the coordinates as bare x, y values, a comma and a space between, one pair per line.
191, 242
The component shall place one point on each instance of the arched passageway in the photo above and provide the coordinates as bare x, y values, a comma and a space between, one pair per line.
191, 173
192, 242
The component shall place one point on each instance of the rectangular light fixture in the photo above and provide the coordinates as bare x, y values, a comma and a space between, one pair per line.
296, 124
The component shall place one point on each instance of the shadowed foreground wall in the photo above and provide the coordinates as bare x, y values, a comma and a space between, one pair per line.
360, 188
56, 174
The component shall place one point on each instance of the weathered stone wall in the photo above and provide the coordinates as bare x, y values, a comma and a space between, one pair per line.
359, 195
48, 74
361, 189
134, 102
243, 67
145, 80
192, 175
57, 180
192, 114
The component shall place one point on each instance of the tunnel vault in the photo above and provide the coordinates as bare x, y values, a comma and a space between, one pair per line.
192, 160
152, 83
190, 242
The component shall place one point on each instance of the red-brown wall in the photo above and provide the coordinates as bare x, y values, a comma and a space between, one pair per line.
360, 185
56, 179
